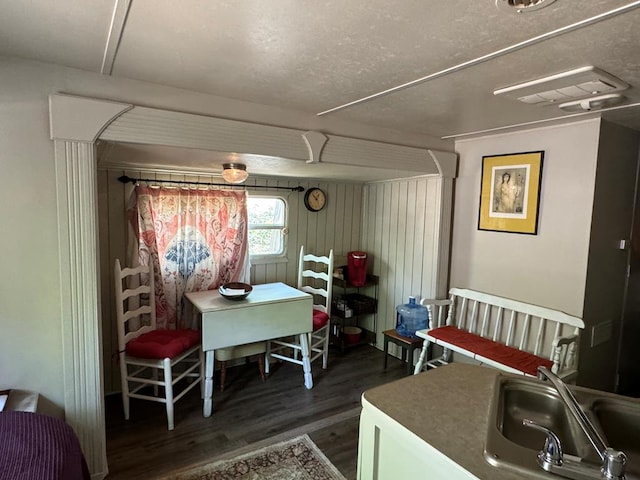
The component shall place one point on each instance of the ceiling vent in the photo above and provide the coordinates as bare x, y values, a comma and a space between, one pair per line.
593, 103
522, 6
564, 87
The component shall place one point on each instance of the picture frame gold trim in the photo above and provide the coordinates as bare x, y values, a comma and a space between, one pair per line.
510, 192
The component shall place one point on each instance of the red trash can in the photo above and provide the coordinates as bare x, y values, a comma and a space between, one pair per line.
357, 268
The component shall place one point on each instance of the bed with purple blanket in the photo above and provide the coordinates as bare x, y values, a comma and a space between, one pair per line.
35, 446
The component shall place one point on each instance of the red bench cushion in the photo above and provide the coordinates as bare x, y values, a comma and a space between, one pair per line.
511, 357
320, 319
162, 343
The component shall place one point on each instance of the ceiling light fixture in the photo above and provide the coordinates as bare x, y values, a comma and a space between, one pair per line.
234, 172
522, 6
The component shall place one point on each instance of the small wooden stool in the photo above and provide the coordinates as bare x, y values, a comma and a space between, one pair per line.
408, 345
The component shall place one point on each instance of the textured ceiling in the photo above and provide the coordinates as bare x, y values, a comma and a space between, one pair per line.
316, 55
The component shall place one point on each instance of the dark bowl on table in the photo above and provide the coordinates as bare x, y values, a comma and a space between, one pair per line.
231, 290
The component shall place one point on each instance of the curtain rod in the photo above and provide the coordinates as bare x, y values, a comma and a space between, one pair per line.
127, 179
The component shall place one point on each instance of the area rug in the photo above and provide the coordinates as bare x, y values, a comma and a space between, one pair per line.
295, 459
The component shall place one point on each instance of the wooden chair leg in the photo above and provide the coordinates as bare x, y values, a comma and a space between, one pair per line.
223, 375
261, 365
267, 357
125, 386
424, 356
168, 391
386, 351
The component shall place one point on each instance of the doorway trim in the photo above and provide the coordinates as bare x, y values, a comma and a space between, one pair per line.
76, 124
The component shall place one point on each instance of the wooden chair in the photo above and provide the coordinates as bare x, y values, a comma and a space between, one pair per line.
316, 279
149, 356
255, 349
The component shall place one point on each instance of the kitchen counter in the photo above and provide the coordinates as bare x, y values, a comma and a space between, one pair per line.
447, 408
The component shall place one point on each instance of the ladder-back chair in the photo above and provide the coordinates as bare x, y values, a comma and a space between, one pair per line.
149, 356
315, 276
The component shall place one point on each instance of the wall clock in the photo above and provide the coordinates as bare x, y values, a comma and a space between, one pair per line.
315, 199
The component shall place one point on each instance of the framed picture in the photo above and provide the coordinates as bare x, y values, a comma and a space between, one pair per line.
510, 192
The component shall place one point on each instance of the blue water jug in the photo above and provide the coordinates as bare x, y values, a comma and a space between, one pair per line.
411, 317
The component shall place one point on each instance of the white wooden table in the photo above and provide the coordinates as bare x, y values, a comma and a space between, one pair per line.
271, 310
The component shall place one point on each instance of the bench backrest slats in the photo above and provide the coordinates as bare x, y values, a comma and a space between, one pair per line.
485, 320
535, 310
441, 316
462, 314
525, 333
539, 336
511, 331
498, 329
474, 317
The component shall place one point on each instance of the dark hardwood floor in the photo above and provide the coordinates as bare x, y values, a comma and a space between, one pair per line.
250, 411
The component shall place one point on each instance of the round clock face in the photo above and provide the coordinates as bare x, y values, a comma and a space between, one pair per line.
315, 199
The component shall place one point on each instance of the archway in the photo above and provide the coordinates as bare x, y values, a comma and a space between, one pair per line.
76, 125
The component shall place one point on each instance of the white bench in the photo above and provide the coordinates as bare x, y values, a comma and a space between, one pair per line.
507, 334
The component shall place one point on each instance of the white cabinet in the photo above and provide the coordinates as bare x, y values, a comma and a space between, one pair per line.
389, 451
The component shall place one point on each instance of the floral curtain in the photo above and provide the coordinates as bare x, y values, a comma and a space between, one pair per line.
195, 239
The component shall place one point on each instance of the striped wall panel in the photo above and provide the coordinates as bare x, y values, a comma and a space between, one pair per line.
406, 234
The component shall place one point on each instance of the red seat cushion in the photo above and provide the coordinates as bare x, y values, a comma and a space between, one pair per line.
162, 343
512, 357
461, 338
320, 319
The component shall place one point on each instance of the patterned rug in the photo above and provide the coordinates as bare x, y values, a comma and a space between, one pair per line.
295, 459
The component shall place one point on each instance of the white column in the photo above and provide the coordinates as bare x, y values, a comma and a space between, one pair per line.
75, 125
81, 325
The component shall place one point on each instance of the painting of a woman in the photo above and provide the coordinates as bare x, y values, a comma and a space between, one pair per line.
508, 190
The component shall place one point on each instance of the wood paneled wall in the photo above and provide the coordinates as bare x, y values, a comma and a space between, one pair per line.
338, 226
406, 232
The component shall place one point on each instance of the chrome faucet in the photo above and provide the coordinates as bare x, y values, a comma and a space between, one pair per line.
551, 457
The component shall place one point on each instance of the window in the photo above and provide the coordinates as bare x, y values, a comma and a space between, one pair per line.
267, 226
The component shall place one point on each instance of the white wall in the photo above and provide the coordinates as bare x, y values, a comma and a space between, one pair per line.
549, 268
30, 304
574, 263
30, 328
